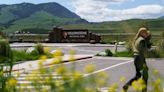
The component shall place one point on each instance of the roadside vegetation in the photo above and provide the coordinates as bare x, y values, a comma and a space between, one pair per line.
23, 55
155, 52
70, 80
6, 59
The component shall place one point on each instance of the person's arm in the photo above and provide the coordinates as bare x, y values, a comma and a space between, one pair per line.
148, 43
142, 47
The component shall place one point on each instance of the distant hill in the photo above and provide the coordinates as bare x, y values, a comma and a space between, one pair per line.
34, 17
162, 17
26, 15
129, 26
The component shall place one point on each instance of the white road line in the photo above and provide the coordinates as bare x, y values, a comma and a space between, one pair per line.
86, 50
110, 67
114, 58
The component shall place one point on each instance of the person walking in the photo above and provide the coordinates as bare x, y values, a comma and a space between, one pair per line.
140, 47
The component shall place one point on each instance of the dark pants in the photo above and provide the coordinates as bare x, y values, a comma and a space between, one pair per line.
140, 65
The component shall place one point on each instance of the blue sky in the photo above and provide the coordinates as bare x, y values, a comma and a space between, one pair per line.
107, 10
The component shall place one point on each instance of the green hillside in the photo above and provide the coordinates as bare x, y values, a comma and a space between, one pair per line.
38, 20
26, 15
154, 25
44, 16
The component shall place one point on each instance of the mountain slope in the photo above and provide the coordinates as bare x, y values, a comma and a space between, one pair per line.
57, 10
27, 15
128, 26
43, 20
162, 17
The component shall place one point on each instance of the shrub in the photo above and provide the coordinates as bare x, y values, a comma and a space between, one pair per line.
5, 52
160, 46
153, 54
108, 52
2, 35
129, 45
39, 49
6, 59
23, 56
162, 34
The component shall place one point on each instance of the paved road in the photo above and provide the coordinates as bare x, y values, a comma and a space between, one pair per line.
80, 48
114, 67
117, 68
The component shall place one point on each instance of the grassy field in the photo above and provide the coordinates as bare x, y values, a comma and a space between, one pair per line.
47, 22
154, 25
111, 38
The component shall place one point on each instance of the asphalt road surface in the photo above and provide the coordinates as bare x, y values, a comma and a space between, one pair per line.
80, 48
118, 67
115, 67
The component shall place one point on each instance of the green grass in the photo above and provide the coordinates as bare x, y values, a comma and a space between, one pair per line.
151, 54
43, 20
23, 56
154, 25
123, 54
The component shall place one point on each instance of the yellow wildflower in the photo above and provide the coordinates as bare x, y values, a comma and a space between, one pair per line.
113, 88
72, 52
57, 60
134, 85
123, 91
122, 79
52, 68
1, 73
45, 90
141, 81
61, 70
40, 63
43, 57
77, 75
46, 49
58, 83
57, 53
61, 89
102, 75
42, 70
158, 82
89, 68
47, 79
141, 85
88, 89
17, 74
100, 82
72, 58
155, 71
12, 82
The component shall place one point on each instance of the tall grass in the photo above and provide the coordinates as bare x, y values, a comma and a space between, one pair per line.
158, 52
6, 59
38, 51
23, 56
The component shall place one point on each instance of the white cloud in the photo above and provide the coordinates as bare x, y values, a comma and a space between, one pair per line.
113, 0
98, 10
